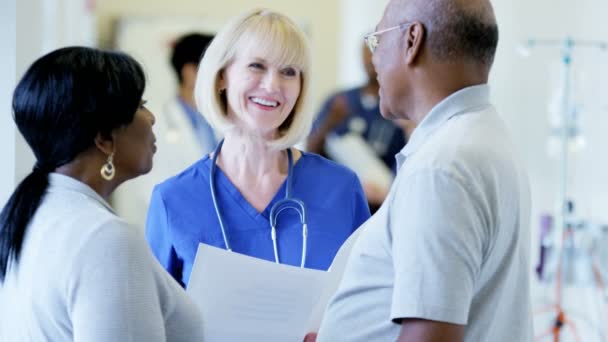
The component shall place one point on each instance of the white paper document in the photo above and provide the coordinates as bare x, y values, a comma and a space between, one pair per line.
242, 298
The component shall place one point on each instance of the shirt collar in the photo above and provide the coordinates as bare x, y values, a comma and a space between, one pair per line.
465, 100
59, 182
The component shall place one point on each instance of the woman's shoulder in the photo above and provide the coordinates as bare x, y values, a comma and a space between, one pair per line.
87, 226
93, 220
195, 173
115, 228
323, 168
85, 212
112, 237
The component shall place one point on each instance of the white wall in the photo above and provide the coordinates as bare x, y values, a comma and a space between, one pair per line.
522, 90
523, 87
7, 83
319, 18
357, 18
42, 26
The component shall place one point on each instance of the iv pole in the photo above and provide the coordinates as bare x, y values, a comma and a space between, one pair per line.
566, 130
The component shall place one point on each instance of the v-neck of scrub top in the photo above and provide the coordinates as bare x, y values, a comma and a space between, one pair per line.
262, 218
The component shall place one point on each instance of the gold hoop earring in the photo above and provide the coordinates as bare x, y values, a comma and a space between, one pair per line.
108, 170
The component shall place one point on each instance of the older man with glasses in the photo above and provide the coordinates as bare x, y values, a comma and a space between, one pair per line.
446, 258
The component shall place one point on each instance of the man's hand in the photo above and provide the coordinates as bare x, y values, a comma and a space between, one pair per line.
420, 330
310, 337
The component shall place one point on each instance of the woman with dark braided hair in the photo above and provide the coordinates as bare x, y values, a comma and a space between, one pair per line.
70, 269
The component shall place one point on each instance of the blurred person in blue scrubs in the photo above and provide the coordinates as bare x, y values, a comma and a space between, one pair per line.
357, 111
183, 134
252, 87
184, 126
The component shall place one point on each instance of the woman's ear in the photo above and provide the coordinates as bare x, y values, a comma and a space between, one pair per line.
104, 144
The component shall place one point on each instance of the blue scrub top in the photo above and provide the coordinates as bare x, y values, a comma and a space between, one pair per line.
181, 215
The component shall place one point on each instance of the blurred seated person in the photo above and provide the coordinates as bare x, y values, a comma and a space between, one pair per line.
357, 111
374, 192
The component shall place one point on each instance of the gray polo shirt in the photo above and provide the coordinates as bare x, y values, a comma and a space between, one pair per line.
451, 242
85, 275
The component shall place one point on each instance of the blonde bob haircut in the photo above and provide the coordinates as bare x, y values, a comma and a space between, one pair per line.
280, 41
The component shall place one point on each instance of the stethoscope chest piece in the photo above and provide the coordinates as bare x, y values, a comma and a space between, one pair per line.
286, 203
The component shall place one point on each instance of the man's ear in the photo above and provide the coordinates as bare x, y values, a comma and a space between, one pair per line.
104, 144
414, 39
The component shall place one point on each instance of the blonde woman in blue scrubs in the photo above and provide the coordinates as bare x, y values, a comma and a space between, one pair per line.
252, 87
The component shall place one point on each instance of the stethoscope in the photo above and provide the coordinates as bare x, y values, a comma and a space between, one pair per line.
286, 203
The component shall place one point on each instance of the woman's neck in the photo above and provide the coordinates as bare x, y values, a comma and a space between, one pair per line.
85, 168
187, 95
250, 156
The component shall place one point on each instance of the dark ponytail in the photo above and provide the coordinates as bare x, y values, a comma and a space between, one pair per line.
17, 213
62, 102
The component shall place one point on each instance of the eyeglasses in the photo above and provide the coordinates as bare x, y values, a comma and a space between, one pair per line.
372, 40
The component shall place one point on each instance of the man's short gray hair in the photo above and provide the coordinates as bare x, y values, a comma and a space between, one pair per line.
460, 29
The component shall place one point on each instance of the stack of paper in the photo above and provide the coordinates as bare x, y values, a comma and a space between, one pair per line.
242, 298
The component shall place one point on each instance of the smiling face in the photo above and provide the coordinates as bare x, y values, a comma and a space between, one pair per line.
261, 92
255, 78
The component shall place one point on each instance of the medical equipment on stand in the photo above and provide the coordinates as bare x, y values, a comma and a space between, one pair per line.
579, 247
286, 203
577, 266
559, 240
